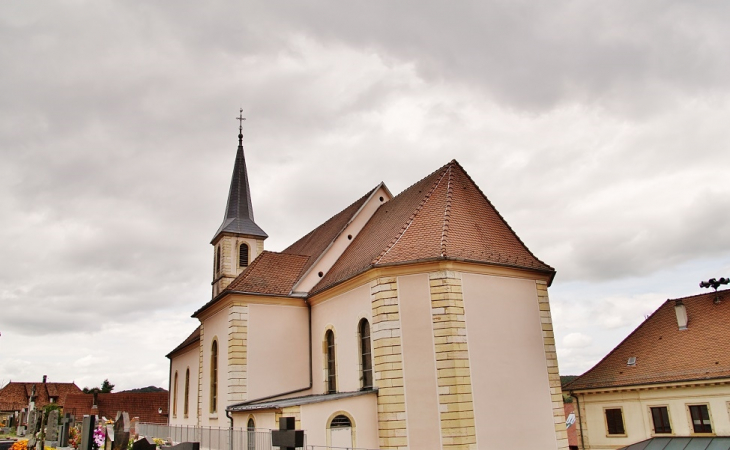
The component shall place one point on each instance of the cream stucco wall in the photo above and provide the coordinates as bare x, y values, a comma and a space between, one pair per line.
278, 353
180, 363
216, 327
638, 423
511, 392
419, 362
342, 314
362, 410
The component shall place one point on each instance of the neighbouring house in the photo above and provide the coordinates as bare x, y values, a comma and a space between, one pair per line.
15, 398
149, 407
669, 378
416, 321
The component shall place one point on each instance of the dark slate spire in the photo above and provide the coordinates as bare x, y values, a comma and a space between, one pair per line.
239, 211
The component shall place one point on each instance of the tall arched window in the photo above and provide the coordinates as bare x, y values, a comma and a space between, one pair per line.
186, 404
174, 397
251, 434
218, 259
366, 362
214, 377
331, 366
243, 255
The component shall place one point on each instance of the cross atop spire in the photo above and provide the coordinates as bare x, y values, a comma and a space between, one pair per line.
239, 210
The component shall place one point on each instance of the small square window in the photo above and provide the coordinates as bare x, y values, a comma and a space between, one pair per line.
700, 418
615, 421
660, 418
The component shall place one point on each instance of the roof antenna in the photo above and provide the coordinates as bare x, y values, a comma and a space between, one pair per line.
713, 283
240, 119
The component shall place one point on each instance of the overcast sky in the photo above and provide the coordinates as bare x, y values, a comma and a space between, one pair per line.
599, 130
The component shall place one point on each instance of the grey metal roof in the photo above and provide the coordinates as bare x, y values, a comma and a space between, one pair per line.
682, 443
296, 401
239, 210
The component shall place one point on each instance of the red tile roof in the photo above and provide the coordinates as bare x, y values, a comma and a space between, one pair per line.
665, 354
270, 273
443, 216
14, 396
144, 405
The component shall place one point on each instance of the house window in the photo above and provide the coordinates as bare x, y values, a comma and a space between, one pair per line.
187, 392
251, 434
700, 418
365, 356
243, 255
331, 366
214, 377
174, 397
660, 417
218, 259
615, 421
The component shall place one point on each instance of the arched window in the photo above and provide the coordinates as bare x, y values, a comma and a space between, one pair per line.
218, 259
243, 255
366, 362
339, 432
341, 421
214, 377
174, 397
331, 366
186, 404
251, 434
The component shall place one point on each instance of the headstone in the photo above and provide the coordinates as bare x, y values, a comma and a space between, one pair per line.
144, 444
87, 433
108, 437
32, 427
121, 431
66, 424
134, 426
52, 427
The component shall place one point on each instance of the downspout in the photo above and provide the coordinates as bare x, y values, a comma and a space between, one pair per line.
230, 430
580, 421
311, 382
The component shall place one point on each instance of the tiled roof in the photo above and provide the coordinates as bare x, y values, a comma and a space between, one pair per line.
193, 338
443, 216
270, 273
665, 354
15, 395
297, 401
144, 405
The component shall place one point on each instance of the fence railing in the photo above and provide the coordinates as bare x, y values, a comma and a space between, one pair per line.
210, 438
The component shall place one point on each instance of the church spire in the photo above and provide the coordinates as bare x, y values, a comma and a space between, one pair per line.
238, 218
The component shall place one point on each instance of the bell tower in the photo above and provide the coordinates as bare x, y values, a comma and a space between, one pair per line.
239, 240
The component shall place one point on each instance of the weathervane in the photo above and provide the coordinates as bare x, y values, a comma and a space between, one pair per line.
713, 283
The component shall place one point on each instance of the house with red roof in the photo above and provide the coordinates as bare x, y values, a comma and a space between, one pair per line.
403, 321
669, 379
15, 397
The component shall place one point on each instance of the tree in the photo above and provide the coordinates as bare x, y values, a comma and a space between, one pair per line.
106, 387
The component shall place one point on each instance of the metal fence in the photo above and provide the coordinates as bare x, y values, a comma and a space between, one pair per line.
210, 438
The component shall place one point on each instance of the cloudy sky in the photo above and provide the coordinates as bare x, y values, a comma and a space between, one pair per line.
598, 129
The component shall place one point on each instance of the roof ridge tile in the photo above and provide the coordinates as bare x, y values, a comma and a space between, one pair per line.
447, 211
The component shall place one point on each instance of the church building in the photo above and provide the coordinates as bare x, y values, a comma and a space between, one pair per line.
410, 321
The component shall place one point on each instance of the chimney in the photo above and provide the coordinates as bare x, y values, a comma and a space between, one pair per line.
681, 312
45, 377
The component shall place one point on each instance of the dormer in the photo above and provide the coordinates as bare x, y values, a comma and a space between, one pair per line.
239, 240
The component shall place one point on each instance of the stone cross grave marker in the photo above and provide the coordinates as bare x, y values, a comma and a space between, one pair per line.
144, 444
66, 424
121, 431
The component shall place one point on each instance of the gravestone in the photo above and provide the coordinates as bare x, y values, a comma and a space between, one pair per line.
87, 433
121, 431
144, 444
66, 424
185, 446
108, 437
134, 426
52, 429
33, 417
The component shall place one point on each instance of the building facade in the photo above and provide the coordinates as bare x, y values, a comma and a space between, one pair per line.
669, 378
404, 321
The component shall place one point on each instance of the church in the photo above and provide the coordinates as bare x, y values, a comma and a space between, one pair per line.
411, 321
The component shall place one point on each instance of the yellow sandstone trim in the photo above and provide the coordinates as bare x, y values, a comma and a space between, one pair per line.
456, 407
290, 411
200, 373
237, 353
551, 359
388, 364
